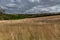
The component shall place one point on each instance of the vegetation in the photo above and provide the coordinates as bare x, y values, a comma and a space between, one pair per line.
44, 28
4, 16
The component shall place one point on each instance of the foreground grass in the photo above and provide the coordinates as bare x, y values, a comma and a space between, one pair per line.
43, 28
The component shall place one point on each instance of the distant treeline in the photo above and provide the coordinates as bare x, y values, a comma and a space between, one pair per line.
4, 16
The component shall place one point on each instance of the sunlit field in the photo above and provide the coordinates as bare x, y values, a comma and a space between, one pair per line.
41, 28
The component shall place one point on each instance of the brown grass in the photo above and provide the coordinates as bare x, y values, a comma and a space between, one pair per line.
42, 28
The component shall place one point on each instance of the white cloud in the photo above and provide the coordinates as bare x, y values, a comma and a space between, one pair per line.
34, 0
31, 0
3, 7
55, 0
11, 5
12, 0
16, 0
55, 8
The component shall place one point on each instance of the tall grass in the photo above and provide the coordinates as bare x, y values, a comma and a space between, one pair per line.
30, 30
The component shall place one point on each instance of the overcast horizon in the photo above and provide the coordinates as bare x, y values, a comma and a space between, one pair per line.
30, 6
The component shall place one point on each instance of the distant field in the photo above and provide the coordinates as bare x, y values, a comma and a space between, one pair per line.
41, 28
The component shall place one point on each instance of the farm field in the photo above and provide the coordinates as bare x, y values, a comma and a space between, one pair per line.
40, 28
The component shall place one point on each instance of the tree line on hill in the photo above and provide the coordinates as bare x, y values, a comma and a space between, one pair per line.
4, 16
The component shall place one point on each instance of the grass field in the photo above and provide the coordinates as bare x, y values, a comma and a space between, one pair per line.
41, 28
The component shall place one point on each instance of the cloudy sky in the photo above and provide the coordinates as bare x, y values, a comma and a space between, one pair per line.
25, 6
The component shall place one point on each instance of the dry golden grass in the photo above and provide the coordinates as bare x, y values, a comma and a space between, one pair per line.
42, 28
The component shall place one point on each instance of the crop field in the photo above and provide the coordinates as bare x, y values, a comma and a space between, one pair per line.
41, 28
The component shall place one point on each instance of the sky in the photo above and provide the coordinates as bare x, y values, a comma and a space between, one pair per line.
22, 6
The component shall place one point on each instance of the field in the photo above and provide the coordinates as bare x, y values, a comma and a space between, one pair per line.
41, 28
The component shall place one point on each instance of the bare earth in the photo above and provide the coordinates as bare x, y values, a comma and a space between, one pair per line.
41, 28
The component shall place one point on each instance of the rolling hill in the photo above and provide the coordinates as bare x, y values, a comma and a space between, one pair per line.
41, 28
